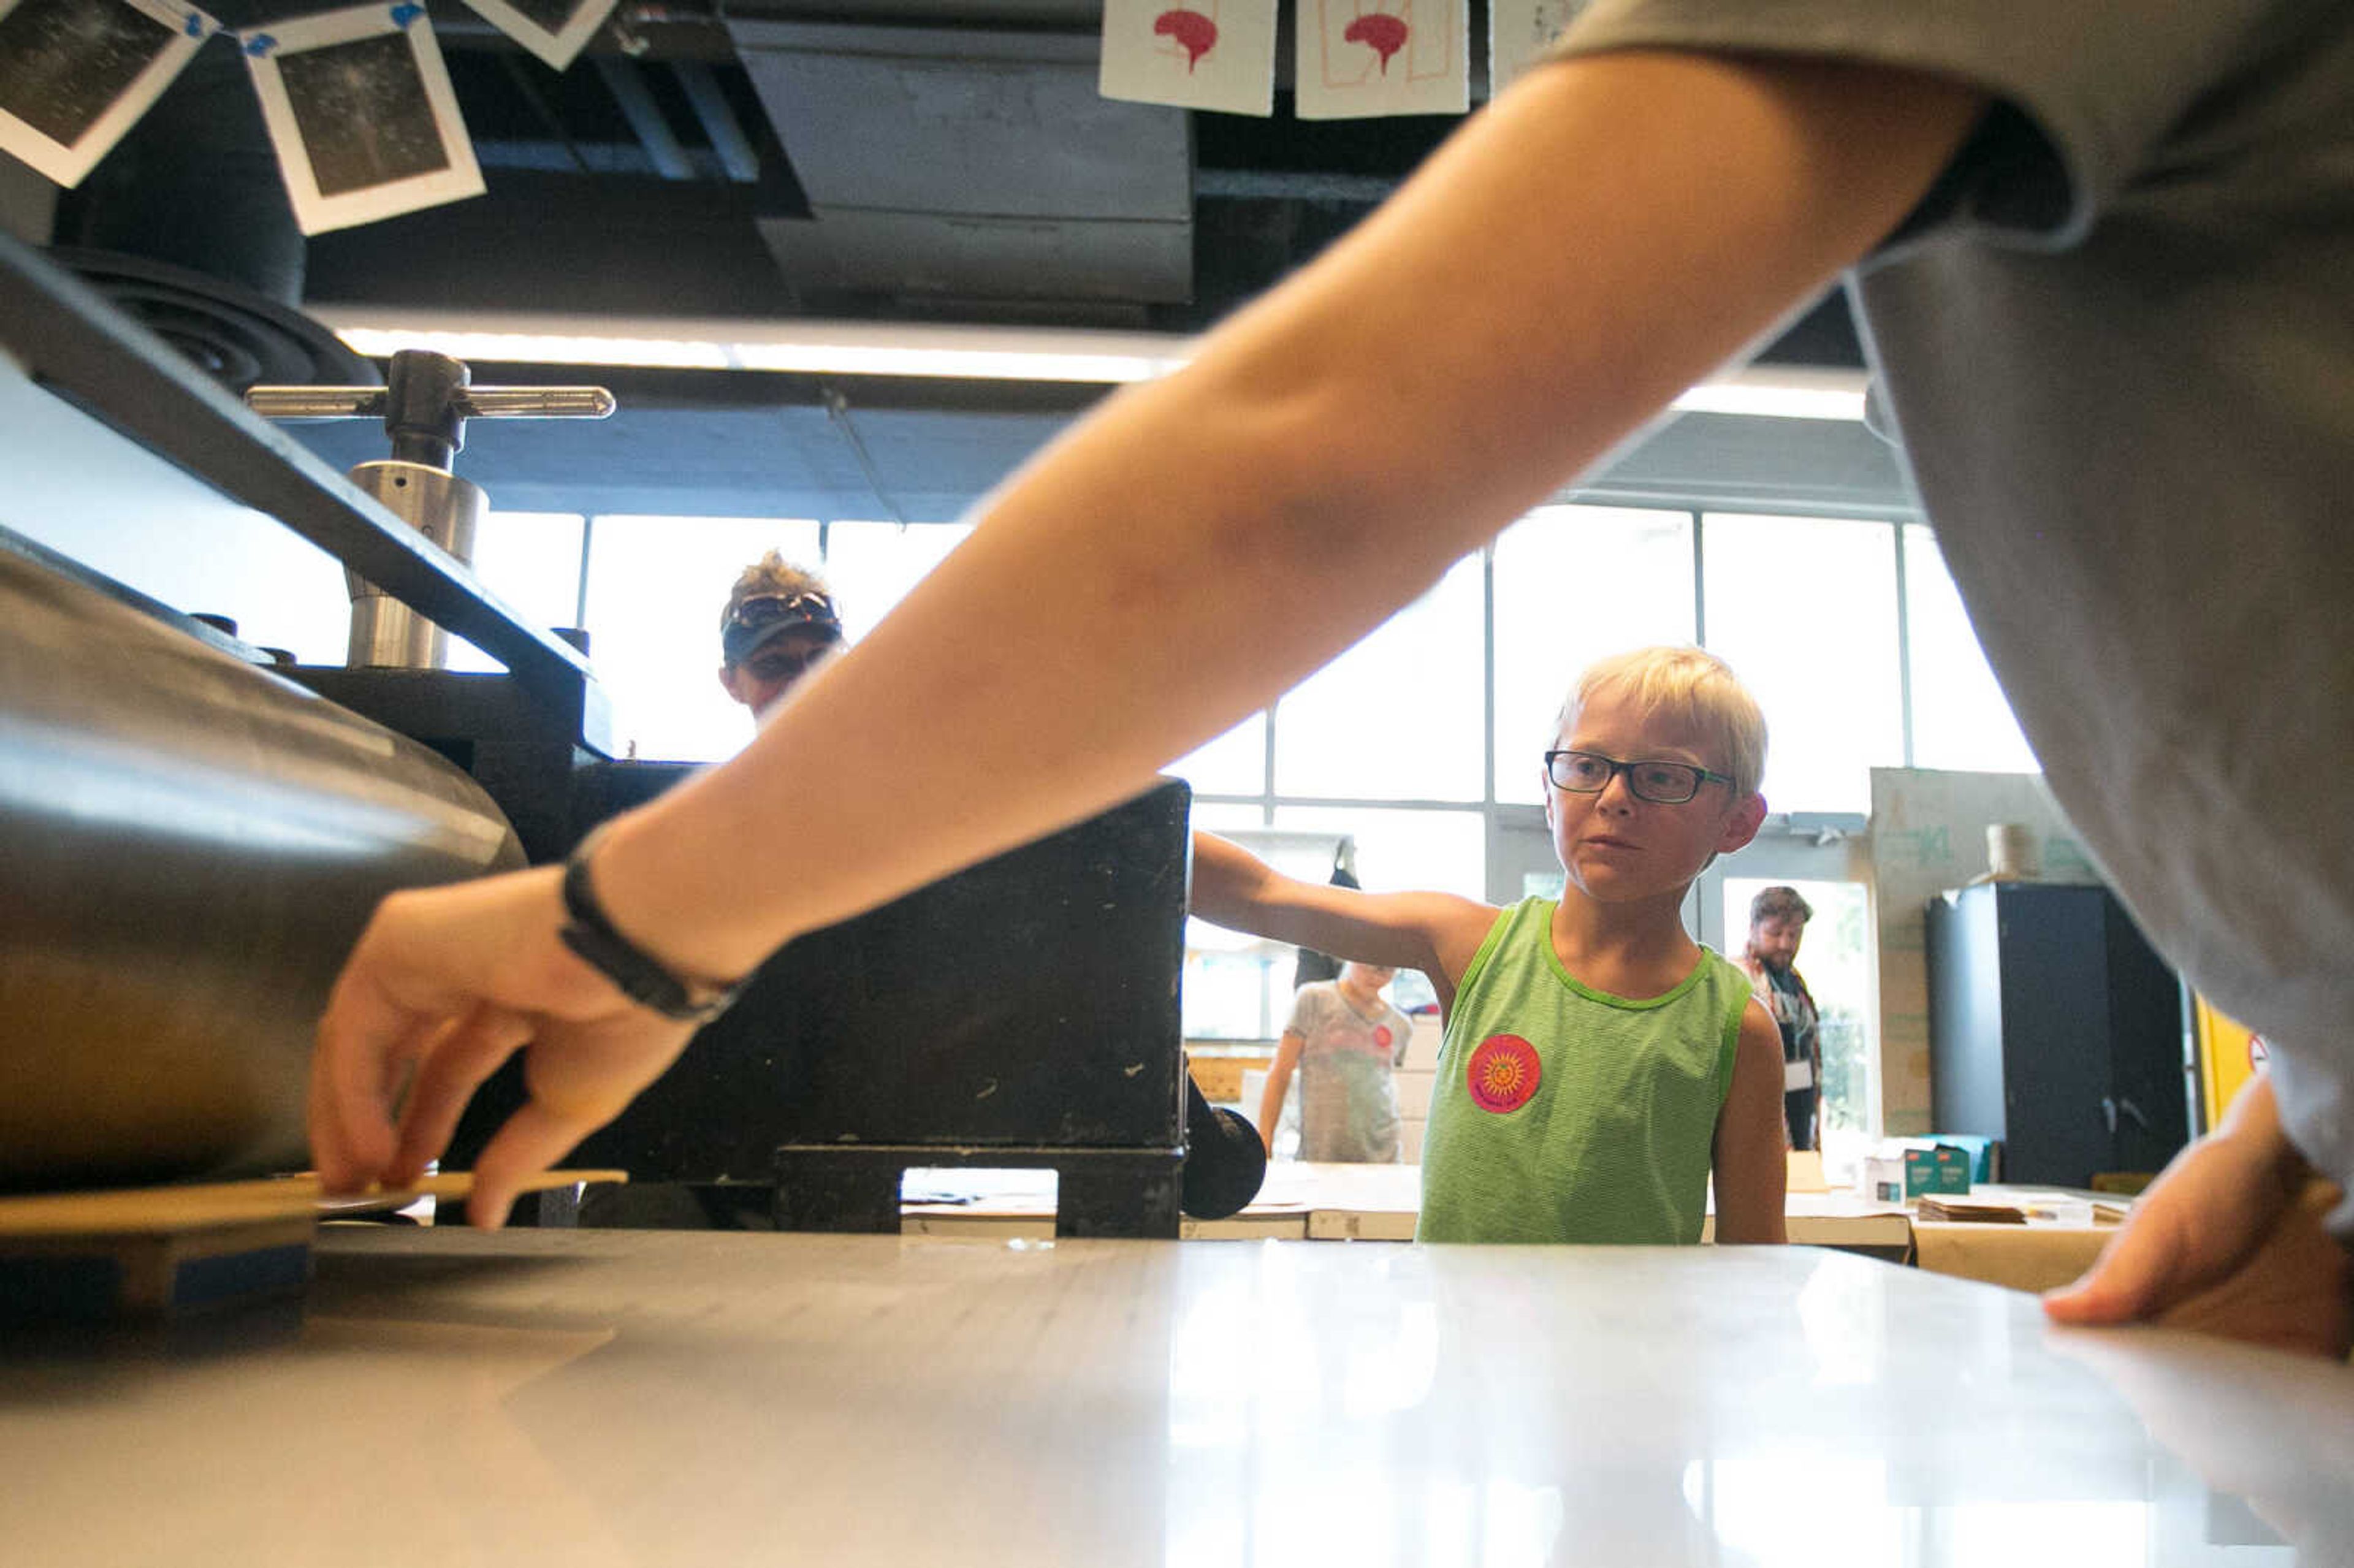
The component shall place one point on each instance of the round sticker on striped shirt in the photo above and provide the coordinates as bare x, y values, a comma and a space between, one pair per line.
1381, 1036
1503, 1074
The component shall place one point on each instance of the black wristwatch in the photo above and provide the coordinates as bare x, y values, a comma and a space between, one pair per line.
638, 973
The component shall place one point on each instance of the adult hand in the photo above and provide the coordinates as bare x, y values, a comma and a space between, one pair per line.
2228, 1240
444, 984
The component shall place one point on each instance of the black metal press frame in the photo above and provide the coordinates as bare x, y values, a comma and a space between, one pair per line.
73, 343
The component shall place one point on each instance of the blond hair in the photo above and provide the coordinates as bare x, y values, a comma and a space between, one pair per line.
1689, 686
771, 574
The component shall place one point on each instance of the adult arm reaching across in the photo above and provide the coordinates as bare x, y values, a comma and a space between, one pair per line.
1640, 216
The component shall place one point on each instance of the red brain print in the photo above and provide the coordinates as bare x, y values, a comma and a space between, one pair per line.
1380, 32
1503, 1074
1195, 33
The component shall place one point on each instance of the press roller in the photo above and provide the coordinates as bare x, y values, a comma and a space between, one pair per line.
189, 845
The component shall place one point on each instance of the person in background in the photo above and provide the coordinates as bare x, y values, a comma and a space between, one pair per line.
1599, 1067
2098, 252
779, 621
1346, 1042
1778, 923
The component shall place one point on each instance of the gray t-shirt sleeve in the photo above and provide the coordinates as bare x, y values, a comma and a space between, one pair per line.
2084, 90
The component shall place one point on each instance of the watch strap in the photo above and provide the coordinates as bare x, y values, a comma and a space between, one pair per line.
637, 974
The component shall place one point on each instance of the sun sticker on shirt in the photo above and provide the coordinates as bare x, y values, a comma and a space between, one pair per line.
1381, 1036
1503, 1074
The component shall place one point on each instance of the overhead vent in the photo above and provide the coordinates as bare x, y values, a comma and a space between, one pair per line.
967, 167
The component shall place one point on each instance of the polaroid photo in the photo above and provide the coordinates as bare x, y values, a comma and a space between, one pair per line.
75, 75
360, 108
552, 29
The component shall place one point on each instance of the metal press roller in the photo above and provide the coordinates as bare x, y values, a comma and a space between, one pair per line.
189, 845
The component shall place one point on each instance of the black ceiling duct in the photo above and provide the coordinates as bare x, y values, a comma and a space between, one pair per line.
186, 224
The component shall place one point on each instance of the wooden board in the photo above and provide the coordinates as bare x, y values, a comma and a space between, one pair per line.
140, 1252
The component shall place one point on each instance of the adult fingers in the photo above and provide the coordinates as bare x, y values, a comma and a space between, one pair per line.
363, 1044
2135, 1276
534, 1138
445, 1081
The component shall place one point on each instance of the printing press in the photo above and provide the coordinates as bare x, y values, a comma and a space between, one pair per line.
192, 833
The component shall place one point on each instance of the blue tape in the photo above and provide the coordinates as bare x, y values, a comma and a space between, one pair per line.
194, 27
260, 44
404, 14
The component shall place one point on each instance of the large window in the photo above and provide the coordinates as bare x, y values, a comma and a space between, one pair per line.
1805, 609
1233, 764
1573, 584
656, 588
1400, 716
532, 560
871, 566
1960, 717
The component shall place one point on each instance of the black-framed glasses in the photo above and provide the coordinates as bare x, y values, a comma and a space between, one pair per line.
1660, 782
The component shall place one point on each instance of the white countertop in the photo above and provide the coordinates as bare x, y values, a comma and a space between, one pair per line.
635, 1397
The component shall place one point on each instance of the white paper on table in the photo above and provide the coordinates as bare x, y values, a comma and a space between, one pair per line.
1195, 54
359, 106
76, 75
1360, 58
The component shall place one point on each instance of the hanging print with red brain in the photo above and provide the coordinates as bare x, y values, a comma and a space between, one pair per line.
1195, 54
1359, 58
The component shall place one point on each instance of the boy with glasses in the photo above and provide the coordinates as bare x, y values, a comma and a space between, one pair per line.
779, 621
1599, 1066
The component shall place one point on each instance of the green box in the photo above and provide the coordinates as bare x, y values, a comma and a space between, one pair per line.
1939, 1168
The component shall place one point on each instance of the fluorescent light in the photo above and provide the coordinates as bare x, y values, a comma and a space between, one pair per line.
963, 353
811, 347
536, 348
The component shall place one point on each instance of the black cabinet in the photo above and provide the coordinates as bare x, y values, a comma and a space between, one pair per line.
2055, 1027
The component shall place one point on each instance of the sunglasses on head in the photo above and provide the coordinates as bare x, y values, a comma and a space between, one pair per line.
767, 608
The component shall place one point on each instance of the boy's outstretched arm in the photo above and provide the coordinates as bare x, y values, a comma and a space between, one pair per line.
1637, 219
2229, 1240
1751, 1163
1434, 932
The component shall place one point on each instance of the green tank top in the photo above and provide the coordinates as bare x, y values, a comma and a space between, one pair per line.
1565, 1114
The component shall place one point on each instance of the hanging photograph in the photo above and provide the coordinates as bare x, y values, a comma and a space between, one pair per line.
360, 108
552, 29
77, 74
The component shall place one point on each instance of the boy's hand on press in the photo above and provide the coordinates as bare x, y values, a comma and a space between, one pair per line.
443, 985
2229, 1242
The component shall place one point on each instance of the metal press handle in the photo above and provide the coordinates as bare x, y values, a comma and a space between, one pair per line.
472, 402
